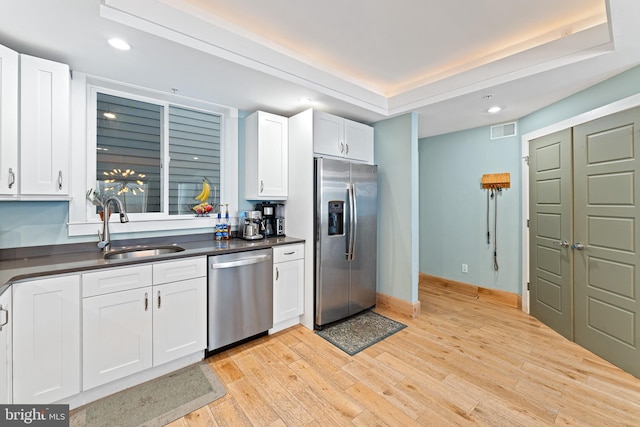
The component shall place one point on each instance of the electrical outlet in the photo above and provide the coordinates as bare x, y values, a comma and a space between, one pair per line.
465, 268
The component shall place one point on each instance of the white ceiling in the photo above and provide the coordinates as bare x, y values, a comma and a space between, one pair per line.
360, 59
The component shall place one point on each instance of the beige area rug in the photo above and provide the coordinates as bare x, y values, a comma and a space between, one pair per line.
154, 403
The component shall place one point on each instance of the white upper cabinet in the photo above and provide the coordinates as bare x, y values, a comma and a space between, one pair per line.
337, 137
44, 127
266, 157
8, 121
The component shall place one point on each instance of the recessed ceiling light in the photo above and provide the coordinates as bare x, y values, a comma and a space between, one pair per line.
109, 115
305, 101
494, 110
119, 44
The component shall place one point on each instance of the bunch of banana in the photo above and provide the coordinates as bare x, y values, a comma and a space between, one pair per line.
206, 190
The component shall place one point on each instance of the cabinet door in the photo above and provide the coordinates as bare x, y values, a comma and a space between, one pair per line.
273, 165
8, 121
288, 280
328, 134
44, 127
179, 319
358, 141
266, 157
6, 378
116, 338
46, 339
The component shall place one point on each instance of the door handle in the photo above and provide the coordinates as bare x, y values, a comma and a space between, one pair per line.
352, 222
12, 178
578, 246
240, 262
6, 317
563, 244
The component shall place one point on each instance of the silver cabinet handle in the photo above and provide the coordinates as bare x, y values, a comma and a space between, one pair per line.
578, 246
6, 317
261, 186
290, 253
346, 148
563, 244
159, 299
12, 178
146, 301
59, 180
277, 273
341, 147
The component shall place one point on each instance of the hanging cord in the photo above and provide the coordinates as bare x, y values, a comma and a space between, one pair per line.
488, 232
495, 229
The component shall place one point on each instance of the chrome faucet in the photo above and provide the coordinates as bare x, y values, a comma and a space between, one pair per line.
105, 236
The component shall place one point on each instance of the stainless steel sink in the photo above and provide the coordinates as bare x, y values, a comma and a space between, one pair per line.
141, 252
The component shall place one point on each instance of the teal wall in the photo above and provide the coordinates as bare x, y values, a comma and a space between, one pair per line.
35, 224
396, 154
453, 208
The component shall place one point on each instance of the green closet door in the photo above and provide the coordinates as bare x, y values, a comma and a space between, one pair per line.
607, 225
550, 231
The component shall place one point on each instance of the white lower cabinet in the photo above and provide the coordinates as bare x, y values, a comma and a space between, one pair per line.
288, 284
116, 338
179, 319
6, 325
46, 339
162, 318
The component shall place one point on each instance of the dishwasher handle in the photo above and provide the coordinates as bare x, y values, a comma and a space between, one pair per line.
240, 262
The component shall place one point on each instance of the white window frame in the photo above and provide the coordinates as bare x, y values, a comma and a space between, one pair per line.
83, 220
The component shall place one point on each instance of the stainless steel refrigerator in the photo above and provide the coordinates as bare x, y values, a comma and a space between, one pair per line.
345, 239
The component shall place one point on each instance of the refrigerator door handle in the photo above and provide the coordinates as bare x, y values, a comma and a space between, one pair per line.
353, 222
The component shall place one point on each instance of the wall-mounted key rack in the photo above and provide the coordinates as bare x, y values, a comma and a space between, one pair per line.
496, 180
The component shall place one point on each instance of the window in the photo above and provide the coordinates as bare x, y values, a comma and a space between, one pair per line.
131, 154
157, 143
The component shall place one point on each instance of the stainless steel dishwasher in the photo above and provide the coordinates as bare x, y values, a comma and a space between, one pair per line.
240, 296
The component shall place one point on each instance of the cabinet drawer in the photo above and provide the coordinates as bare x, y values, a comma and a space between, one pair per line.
116, 279
288, 252
182, 269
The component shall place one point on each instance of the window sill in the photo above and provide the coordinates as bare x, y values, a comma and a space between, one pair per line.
91, 228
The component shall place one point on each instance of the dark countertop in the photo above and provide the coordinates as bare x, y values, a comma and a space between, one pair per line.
27, 263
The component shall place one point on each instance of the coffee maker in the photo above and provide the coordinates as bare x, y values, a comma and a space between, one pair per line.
250, 225
273, 217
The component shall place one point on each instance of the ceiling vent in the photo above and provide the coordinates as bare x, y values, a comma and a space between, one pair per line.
504, 130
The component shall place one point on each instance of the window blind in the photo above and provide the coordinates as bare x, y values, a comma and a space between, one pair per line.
194, 152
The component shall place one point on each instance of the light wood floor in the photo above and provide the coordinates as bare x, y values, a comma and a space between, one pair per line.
462, 362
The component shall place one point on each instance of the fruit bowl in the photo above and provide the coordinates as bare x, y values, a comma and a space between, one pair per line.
202, 209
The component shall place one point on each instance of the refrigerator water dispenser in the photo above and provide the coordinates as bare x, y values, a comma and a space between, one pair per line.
336, 216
